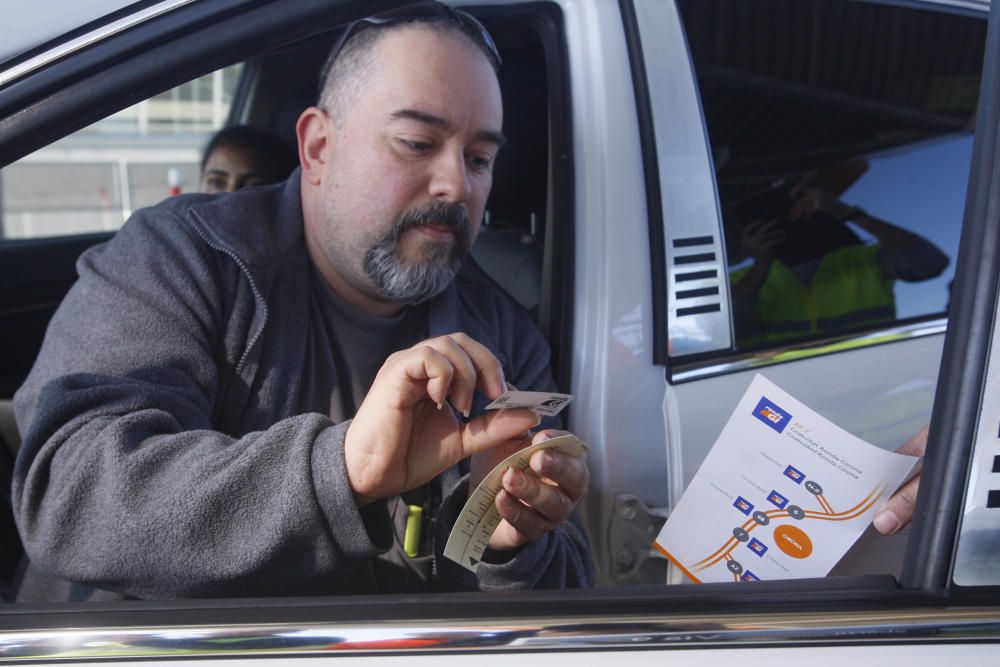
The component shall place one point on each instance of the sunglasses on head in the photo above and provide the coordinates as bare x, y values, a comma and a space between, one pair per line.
421, 12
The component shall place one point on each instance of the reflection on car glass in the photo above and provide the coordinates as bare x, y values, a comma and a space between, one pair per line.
841, 165
810, 273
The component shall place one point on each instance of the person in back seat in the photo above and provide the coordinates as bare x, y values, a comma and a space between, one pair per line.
241, 156
244, 395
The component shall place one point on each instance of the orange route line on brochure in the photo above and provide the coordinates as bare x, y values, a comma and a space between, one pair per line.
729, 544
852, 513
675, 561
861, 503
732, 542
723, 552
736, 577
825, 504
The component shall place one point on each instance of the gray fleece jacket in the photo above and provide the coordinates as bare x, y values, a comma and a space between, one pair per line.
161, 454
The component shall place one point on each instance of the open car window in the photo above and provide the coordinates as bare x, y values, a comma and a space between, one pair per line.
79, 190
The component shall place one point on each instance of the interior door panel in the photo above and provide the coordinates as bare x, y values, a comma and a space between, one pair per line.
30, 292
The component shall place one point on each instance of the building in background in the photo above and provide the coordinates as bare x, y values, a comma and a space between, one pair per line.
93, 179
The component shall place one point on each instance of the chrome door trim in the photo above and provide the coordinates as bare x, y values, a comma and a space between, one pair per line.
83, 41
682, 372
696, 631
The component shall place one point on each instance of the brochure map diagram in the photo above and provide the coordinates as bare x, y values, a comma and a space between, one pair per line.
783, 494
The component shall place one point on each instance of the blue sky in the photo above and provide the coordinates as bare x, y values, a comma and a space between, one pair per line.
920, 187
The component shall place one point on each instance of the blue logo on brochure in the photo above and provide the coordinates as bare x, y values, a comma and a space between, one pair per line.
777, 499
743, 505
757, 547
749, 576
769, 413
794, 474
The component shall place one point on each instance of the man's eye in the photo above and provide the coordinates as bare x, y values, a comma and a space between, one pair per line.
415, 146
480, 163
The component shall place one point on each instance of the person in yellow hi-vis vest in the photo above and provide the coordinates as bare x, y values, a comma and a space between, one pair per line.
812, 275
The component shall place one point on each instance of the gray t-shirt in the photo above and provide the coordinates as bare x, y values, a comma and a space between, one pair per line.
347, 348
345, 351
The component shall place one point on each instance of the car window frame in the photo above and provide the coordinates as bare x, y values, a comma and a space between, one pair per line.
963, 403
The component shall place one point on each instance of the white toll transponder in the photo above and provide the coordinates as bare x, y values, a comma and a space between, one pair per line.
480, 517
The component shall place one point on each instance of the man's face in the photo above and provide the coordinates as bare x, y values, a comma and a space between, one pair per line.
410, 167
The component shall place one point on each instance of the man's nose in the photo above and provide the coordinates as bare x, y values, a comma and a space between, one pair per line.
450, 178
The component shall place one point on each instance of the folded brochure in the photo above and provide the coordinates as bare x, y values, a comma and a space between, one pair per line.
783, 494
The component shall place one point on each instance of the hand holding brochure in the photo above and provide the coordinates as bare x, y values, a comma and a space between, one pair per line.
783, 494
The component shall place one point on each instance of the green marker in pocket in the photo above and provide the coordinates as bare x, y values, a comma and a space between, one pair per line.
411, 538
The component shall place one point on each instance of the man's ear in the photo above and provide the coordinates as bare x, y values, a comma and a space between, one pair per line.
315, 131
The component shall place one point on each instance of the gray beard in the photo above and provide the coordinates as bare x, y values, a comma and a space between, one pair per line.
402, 281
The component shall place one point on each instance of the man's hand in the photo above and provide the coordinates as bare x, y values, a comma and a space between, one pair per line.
533, 504
403, 435
898, 510
808, 200
760, 238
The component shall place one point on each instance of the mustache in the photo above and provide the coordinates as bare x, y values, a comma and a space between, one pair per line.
454, 216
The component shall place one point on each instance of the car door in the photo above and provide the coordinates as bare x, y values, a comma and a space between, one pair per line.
872, 103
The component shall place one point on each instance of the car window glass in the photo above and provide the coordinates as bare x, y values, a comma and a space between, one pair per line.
93, 179
841, 134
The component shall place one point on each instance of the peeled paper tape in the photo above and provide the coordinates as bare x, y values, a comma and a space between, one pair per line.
480, 517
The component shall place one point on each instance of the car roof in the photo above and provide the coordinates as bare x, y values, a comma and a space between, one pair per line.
57, 21
44, 21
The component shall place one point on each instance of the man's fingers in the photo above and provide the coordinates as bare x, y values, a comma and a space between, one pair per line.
531, 505
496, 427
569, 473
917, 445
805, 205
527, 522
547, 434
464, 379
421, 365
489, 371
898, 510
761, 226
772, 239
475, 366
547, 500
